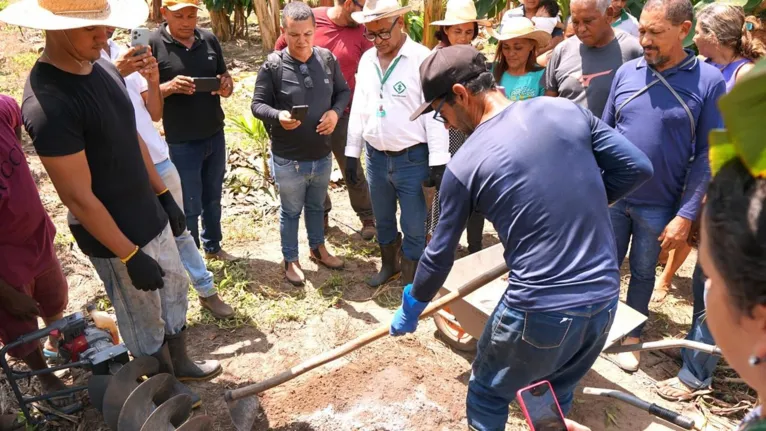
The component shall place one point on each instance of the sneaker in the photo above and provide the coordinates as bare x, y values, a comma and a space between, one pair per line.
368, 230
628, 361
221, 255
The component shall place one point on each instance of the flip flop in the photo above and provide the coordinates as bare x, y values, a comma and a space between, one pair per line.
676, 390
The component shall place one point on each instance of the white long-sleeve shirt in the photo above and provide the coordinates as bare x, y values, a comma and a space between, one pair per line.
402, 95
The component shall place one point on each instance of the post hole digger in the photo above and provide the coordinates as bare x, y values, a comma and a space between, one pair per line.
115, 386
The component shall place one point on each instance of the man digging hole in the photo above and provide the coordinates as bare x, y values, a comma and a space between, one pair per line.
564, 283
79, 115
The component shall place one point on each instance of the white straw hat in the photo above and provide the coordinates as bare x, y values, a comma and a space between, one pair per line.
379, 9
69, 14
519, 27
461, 12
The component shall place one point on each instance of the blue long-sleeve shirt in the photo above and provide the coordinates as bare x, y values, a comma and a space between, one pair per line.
545, 185
657, 123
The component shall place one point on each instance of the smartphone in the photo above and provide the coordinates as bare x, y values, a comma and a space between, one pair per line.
139, 36
299, 112
540, 406
206, 85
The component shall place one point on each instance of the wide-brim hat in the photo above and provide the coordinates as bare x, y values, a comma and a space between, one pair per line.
379, 9
519, 27
176, 5
70, 14
461, 12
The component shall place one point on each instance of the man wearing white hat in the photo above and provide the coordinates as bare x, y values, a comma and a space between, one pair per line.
122, 216
399, 152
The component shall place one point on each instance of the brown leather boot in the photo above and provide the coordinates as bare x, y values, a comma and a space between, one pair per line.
390, 267
215, 305
186, 369
368, 230
323, 257
294, 273
408, 270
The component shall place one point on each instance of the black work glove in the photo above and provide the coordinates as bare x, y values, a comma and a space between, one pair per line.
176, 217
435, 175
145, 273
352, 164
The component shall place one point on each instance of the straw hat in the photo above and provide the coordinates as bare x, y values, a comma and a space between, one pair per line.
379, 9
519, 27
176, 5
69, 14
461, 12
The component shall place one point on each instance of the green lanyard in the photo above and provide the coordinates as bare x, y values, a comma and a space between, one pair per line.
383, 78
623, 17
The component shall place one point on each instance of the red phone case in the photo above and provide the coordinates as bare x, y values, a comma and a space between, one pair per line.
524, 407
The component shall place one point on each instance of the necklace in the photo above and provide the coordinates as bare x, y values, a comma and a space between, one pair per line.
49, 60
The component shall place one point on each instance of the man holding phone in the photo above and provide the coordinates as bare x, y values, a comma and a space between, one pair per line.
193, 79
301, 113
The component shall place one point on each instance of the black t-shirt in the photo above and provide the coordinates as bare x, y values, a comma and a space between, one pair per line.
65, 114
326, 92
196, 116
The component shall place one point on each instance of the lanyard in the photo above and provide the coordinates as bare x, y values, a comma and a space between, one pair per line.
383, 78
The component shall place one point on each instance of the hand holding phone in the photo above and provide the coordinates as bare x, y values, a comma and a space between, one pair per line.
299, 112
139, 36
287, 121
541, 408
207, 84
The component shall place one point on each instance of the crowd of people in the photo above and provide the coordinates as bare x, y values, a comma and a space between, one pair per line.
625, 175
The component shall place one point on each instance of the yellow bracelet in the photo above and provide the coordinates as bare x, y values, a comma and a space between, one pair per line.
163, 192
130, 256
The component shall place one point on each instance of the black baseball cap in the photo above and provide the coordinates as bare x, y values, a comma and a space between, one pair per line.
445, 68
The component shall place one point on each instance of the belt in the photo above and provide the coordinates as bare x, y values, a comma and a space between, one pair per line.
397, 153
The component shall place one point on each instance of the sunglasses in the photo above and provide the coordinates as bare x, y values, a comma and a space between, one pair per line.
383, 35
307, 82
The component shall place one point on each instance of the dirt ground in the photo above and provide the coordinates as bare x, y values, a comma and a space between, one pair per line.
412, 383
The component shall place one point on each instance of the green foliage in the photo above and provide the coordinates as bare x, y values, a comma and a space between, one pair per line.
3, 4
414, 21
252, 127
491, 8
228, 5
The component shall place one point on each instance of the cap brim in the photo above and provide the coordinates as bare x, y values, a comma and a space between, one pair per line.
425, 108
121, 14
446, 22
363, 17
179, 6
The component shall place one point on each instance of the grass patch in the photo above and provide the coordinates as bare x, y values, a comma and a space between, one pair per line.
24, 61
3, 4
257, 303
243, 227
63, 239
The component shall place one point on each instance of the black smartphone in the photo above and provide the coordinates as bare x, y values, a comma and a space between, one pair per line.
299, 112
206, 85
540, 406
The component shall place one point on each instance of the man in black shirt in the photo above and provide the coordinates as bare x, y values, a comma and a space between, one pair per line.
193, 120
77, 111
301, 149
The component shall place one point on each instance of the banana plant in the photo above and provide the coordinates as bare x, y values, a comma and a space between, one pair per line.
491, 8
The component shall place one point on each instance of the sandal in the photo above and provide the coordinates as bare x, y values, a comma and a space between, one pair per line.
676, 390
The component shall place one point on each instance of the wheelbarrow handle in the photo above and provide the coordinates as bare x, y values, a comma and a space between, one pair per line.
675, 418
665, 344
469, 287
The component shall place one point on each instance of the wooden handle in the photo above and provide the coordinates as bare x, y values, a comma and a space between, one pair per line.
364, 339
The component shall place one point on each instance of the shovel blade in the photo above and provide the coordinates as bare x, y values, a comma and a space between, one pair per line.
243, 412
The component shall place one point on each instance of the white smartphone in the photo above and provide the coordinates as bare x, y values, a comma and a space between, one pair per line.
139, 36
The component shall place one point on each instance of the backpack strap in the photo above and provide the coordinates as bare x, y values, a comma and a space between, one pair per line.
274, 62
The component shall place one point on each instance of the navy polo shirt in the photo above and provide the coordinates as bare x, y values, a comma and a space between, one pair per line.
196, 116
657, 123
545, 185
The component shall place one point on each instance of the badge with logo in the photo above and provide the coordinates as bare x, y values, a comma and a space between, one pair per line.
210, 57
400, 88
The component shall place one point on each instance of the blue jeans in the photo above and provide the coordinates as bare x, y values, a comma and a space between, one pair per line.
301, 184
145, 317
400, 177
520, 348
645, 224
697, 369
201, 278
201, 164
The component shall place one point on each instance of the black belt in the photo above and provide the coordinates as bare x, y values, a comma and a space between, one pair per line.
397, 153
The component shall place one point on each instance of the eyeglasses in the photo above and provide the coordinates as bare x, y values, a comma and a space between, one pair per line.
307, 82
383, 35
359, 5
437, 112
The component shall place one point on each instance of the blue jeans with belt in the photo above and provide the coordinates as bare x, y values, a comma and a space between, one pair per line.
302, 186
644, 223
399, 177
698, 367
520, 348
201, 164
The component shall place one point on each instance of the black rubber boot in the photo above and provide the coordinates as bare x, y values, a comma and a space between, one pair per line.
166, 366
408, 270
390, 267
186, 369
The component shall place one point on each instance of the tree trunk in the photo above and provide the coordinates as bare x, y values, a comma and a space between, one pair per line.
240, 21
221, 24
267, 22
154, 10
433, 10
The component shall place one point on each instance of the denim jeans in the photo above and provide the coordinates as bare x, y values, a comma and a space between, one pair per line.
520, 348
359, 193
202, 164
302, 185
645, 224
145, 318
698, 367
401, 178
201, 278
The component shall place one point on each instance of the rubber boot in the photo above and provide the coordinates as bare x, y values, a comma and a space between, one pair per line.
408, 270
166, 366
185, 369
390, 267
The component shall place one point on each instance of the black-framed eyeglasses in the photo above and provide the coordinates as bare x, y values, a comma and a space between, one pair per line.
383, 35
438, 114
357, 4
307, 82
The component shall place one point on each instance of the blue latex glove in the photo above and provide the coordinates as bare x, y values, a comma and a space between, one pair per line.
406, 317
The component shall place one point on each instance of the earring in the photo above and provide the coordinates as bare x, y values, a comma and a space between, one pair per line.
756, 360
